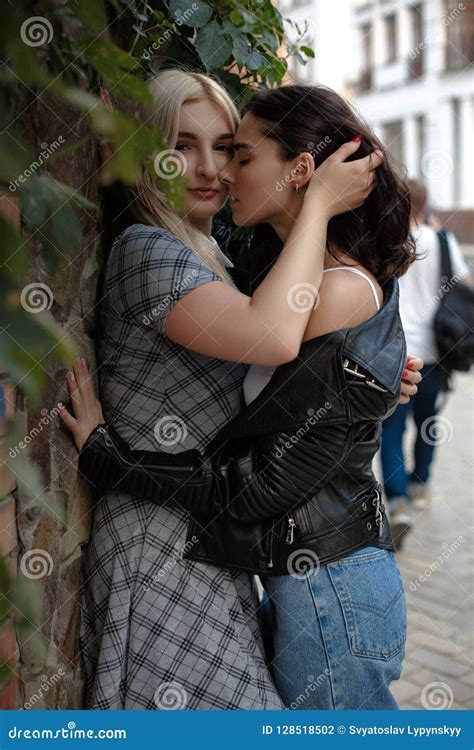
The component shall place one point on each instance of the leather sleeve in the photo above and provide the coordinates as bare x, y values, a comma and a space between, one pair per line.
249, 480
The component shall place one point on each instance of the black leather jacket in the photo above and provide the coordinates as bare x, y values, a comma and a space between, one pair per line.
288, 483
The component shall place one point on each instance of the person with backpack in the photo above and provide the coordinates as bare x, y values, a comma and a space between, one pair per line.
436, 307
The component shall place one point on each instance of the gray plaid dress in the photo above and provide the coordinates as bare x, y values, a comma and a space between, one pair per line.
159, 632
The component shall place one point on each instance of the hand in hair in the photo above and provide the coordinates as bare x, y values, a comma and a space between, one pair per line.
342, 186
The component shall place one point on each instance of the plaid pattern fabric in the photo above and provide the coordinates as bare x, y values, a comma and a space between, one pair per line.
159, 632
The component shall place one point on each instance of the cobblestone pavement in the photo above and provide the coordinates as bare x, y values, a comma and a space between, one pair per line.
436, 562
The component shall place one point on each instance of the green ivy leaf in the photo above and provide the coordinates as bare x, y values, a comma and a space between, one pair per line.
307, 51
213, 45
255, 61
193, 13
240, 49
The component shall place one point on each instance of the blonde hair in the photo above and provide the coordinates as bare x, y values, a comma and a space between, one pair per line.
170, 89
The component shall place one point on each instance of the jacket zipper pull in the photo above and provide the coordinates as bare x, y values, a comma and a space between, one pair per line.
378, 514
291, 531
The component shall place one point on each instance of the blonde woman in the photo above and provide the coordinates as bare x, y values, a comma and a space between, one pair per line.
158, 631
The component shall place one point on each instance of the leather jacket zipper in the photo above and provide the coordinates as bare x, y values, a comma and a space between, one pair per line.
270, 561
110, 444
290, 535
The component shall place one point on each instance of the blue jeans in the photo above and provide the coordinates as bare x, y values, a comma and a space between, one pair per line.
422, 406
339, 633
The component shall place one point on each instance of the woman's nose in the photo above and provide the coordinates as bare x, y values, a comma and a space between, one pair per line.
208, 166
227, 173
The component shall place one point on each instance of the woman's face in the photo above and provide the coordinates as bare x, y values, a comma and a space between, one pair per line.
205, 136
260, 182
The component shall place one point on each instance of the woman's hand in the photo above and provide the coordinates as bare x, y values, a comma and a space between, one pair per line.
341, 186
410, 378
87, 408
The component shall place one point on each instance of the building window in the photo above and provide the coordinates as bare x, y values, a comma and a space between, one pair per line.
391, 37
420, 139
366, 44
418, 42
393, 140
459, 25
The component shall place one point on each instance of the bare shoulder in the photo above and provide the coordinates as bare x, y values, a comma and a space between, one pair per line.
345, 300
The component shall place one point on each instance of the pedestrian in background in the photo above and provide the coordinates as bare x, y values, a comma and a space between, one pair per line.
420, 292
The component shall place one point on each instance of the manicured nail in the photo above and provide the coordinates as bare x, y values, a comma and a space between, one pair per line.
411, 365
356, 138
71, 377
404, 373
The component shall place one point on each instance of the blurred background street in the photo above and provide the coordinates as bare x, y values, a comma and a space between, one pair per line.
436, 562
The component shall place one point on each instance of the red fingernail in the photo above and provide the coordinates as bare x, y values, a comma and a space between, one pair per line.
404, 373
411, 365
356, 138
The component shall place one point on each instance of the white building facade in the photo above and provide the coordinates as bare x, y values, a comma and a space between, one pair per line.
408, 68
415, 84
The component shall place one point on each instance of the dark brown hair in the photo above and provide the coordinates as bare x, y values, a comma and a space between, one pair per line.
316, 119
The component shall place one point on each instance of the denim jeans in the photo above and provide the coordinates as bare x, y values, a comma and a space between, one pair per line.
338, 634
423, 408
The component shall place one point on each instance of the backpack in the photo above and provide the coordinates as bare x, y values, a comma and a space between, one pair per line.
454, 319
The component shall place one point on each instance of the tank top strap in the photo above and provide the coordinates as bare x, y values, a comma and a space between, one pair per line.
359, 273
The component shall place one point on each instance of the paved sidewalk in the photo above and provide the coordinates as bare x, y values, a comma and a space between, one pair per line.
437, 567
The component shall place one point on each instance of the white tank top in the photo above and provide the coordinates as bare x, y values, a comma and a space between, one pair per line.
258, 376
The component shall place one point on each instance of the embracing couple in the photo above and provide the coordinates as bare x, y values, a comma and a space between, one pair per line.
238, 429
